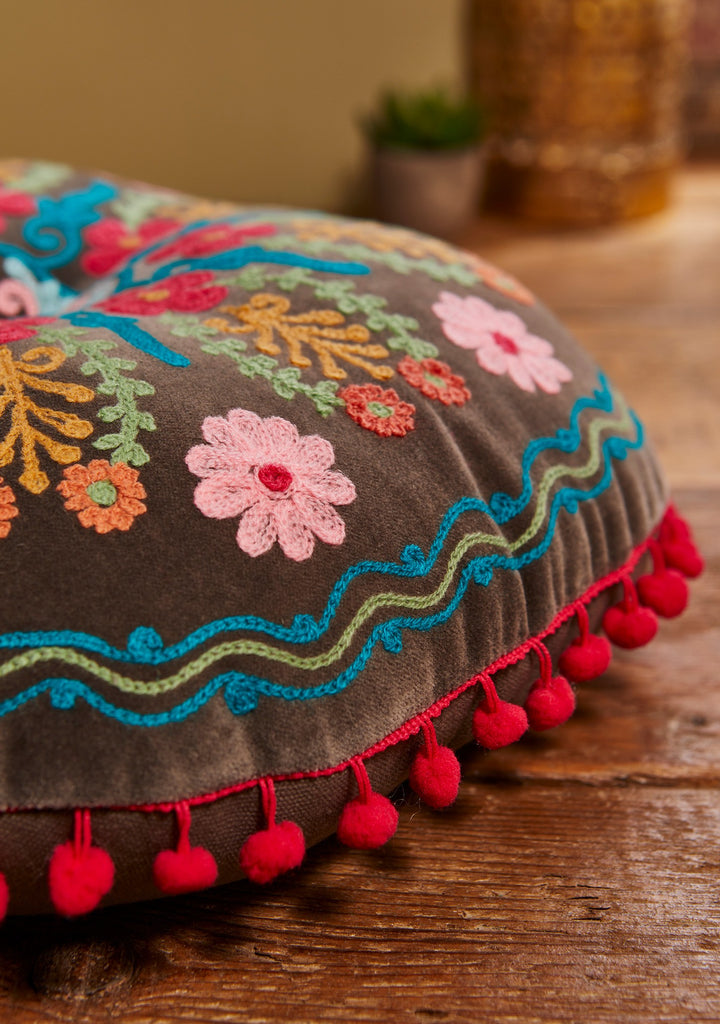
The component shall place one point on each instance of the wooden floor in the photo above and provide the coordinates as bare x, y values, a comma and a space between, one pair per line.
577, 879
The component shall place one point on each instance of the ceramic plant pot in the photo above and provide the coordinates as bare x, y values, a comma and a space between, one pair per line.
434, 191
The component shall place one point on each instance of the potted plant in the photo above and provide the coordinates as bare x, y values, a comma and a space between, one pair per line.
427, 160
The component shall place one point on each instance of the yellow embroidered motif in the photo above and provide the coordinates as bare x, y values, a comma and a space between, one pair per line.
374, 236
319, 329
197, 209
19, 376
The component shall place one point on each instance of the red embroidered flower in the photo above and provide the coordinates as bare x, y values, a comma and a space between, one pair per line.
110, 242
21, 327
8, 509
378, 409
15, 204
434, 380
212, 238
105, 497
186, 293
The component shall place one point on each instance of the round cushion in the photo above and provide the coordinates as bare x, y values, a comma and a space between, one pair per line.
292, 506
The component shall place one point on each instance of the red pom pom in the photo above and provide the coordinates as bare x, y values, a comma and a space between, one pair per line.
665, 591
501, 727
683, 556
79, 878
585, 660
184, 870
4, 897
272, 851
632, 628
436, 778
549, 703
367, 824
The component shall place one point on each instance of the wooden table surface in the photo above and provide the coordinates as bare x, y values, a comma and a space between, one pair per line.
577, 878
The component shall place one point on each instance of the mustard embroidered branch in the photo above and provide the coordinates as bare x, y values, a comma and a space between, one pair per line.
323, 331
399, 329
16, 379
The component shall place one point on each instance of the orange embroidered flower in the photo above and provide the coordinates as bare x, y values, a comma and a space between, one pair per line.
434, 380
8, 509
378, 409
104, 496
499, 281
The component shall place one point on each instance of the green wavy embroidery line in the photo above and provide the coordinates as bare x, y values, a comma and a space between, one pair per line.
367, 609
115, 384
343, 293
397, 261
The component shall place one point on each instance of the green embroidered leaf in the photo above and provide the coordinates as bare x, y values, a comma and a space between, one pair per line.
125, 390
257, 366
183, 326
109, 413
133, 207
41, 176
59, 335
108, 441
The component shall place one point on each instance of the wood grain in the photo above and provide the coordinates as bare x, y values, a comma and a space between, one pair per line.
576, 878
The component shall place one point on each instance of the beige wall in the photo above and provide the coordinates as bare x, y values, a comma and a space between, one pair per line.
251, 100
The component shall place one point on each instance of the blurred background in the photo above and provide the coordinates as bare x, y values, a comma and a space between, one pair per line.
585, 106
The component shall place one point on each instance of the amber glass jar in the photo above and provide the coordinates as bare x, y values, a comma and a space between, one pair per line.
584, 99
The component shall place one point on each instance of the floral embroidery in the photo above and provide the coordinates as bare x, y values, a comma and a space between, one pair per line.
434, 380
375, 236
378, 409
111, 242
279, 483
198, 209
502, 342
213, 238
499, 281
17, 299
187, 293
15, 204
105, 497
21, 328
8, 509
318, 329
15, 378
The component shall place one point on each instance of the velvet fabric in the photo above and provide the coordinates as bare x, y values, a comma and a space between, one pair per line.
476, 474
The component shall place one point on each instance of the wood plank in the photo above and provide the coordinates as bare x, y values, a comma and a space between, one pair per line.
529, 902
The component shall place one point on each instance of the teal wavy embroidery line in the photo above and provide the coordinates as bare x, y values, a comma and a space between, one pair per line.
370, 607
145, 646
241, 691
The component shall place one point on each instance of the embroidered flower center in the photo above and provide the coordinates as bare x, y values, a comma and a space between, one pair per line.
102, 492
505, 343
155, 294
380, 409
130, 242
437, 381
275, 478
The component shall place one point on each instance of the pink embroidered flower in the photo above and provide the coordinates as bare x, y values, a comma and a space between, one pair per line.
15, 204
212, 238
502, 342
16, 299
434, 380
110, 242
21, 327
185, 293
378, 409
279, 483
